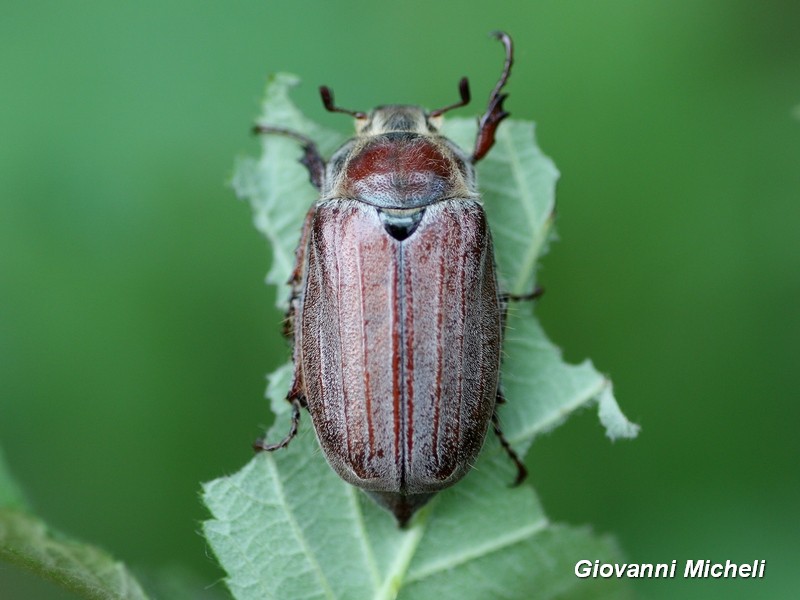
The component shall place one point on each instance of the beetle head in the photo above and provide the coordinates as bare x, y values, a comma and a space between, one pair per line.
413, 119
395, 118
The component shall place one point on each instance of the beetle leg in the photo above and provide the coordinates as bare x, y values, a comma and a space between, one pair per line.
487, 125
296, 281
505, 298
296, 390
296, 393
296, 278
537, 293
311, 160
261, 444
522, 472
295, 396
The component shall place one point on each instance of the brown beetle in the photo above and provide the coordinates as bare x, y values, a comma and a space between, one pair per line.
396, 315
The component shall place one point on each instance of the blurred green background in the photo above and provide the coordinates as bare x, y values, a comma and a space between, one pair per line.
135, 329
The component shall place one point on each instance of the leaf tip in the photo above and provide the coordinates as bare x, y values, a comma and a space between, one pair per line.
611, 416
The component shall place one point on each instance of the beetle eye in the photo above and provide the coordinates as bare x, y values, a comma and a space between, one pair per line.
401, 225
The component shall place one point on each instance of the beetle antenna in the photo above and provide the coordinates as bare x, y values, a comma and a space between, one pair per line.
463, 89
327, 101
487, 125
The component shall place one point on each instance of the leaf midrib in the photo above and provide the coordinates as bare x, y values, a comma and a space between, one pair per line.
495, 545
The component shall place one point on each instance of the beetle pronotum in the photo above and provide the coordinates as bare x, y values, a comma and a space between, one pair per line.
395, 312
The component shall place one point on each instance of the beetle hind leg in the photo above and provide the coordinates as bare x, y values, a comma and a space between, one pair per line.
522, 472
261, 445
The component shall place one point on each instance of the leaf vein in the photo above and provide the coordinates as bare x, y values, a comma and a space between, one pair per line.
477, 552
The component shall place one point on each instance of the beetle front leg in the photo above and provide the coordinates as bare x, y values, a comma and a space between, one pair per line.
487, 125
312, 159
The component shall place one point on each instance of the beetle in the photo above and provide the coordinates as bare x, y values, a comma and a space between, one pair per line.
395, 313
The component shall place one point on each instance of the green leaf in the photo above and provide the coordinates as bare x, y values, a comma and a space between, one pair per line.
518, 187
275, 184
84, 569
286, 526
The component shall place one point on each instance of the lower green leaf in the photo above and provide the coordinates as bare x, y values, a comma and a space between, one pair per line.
84, 569
286, 526
26, 541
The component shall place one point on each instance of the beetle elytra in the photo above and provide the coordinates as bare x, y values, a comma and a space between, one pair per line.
395, 314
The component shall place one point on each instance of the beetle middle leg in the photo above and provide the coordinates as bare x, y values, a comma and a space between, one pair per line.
505, 298
537, 293
313, 161
295, 395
